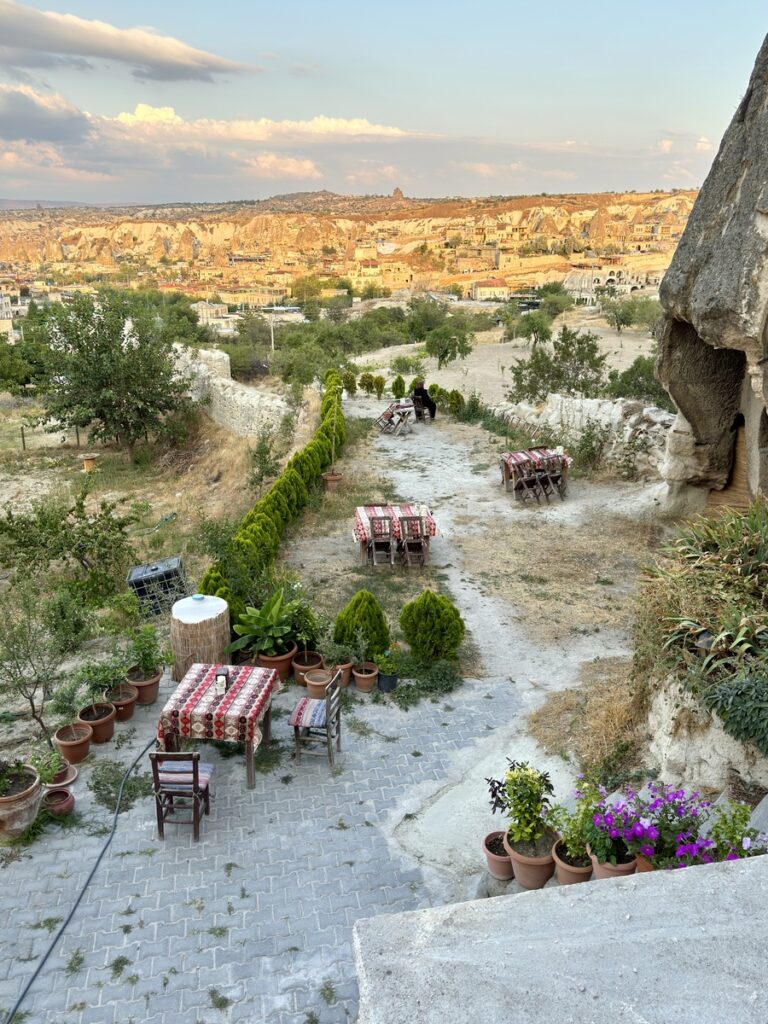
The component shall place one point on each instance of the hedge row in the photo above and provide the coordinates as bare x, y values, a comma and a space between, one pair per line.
257, 539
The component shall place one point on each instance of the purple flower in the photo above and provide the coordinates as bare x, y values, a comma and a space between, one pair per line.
647, 851
638, 830
614, 833
653, 833
733, 856
746, 842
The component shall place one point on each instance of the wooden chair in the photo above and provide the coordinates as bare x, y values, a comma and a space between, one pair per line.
180, 780
387, 421
381, 545
314, 721
413, 544
418, 408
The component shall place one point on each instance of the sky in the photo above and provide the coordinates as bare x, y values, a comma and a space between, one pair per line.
115, 102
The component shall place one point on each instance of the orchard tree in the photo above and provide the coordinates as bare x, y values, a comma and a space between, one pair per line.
535, 326
451, 341
111, 370
619, 313
575, 366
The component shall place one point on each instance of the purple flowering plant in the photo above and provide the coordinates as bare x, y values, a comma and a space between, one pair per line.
668, 826
609, 830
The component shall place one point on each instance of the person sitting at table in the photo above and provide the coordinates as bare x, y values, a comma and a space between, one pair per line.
420, 392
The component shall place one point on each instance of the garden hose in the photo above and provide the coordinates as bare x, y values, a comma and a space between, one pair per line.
11, 1016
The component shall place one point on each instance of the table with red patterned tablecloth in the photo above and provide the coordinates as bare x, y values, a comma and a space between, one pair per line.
364, 514
196, 712
535, 471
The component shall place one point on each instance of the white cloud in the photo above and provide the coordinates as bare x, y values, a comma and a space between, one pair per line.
703, 145
272, 165
491, 170
29, 36
27, 114
665, 145
371, 172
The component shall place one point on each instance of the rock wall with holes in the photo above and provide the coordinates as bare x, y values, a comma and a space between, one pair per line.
239, 408
713, 341
689, 745
632, 431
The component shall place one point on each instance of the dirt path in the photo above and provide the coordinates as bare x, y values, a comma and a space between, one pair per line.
543, 591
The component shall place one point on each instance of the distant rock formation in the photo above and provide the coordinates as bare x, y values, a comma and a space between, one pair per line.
713, 355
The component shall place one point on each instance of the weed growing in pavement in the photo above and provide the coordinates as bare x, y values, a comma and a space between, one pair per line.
218, 1001
229, 868
117, 966
105, 781
75, 962
328, 992
49, 923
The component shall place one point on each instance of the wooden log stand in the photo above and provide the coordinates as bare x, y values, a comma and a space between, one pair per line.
199, 632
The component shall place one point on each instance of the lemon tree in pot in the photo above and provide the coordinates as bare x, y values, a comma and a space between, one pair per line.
267, 633
336, 656
146, 658
87, 684
523, 794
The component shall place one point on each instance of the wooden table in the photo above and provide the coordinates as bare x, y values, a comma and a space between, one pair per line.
396, 418
364, 514
195, 711
535, 471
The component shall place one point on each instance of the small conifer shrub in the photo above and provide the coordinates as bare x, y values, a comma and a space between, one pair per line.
432, 627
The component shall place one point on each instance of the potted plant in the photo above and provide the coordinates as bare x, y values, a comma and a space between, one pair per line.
59, 801
336, 656
306, 628
498, 860
124, 697
52, 768
365, 673
732, 837
266, 632
389, 668
523, 794
607, 837
572, 862
668, 826
20, 796
99, 714
146, 658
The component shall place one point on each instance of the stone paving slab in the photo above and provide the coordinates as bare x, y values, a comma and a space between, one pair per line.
255, 922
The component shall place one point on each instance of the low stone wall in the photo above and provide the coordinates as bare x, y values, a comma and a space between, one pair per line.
644, 428
239, 408
689, 744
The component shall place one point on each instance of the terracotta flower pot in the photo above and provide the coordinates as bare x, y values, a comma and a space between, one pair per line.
316, 680
643, 864
530, 872
19, 810
74, 741
61, 774
123, 698
59, 802
148, 686
331, 481
303, 663
101, 718
281, 663
499, 865
567, 874
608, 870
346, 673
365, 676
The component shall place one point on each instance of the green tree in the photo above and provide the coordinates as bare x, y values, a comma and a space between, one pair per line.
337, 308
645, 311
311, 309
111, 371
363, 615
575, 366
253, 329
264, 462
432, 626
379, 383
367, 383
640, 381
619, 313
453, 340
425, 315
535, 326
554, 299
398, 387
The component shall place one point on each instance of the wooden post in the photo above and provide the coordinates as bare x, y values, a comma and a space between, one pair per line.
23, 440
77, 435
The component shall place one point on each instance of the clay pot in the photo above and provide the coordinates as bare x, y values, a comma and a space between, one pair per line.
59, 802
316, 680
61, 774
530, 872
567, 874
303, 663
331, 481
346, 673
365, 676
609, 870
19, 810
281, 663
148, 686
123, 698
102, 722
74, 741
643, 864
499, 866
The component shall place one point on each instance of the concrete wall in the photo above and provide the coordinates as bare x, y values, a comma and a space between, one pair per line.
239, 408
627, 420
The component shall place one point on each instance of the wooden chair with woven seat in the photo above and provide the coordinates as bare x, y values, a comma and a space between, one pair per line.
418, 408
381, 545
180, 780
318, 720
413, 544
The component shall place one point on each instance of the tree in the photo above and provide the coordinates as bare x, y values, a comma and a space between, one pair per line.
304, 288
433, 627
619, 313
424, 315
253, 329
554, 299
640, 381
337, 308
645, 311
451, 341
535, 326
111, 370
311, 309
264, 462
574, 367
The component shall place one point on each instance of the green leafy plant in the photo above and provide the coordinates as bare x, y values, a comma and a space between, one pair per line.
398, 387
68, 619
523, 794
349, 381
363, 614
267, 629
732, 835
47, 762
13, 777
264, 462
367, 383
379, 383
145, 651
571, 826
432, 626
390, 661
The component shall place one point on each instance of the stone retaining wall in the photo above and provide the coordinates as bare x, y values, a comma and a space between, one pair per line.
644, 428
239, 408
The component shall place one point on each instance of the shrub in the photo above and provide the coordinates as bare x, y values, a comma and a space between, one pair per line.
67, 619
455, 402
407, 364
379, 383
363, 615
432, 626
398, 387
349, 381
575, 366
366, 383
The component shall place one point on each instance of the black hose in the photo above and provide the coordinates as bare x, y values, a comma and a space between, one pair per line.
76, 904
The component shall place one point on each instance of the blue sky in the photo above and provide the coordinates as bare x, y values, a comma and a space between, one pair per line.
140, 102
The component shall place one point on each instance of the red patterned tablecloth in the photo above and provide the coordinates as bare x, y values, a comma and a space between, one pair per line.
539, 457
364, 514
196, 711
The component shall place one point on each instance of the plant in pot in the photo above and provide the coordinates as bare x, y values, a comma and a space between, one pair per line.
51, 766
668, 828
732, 837
362, 626
266, 633
572, 862
607, 836
523, 794
332, 478
20, 796
389, 668
365, 672
306, 627
100, 714
338, 657
146, 656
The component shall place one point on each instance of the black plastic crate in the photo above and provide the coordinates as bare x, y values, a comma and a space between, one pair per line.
158, 584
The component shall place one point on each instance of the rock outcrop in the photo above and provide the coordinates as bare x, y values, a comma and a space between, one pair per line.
712, 356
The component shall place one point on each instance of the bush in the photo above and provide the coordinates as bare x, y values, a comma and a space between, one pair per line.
575, 366
640, 381
398, 387
349, 381
455, 402
363, 615
67, 619
367, 383
432, 626
742, 704
379, 383
408, 364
